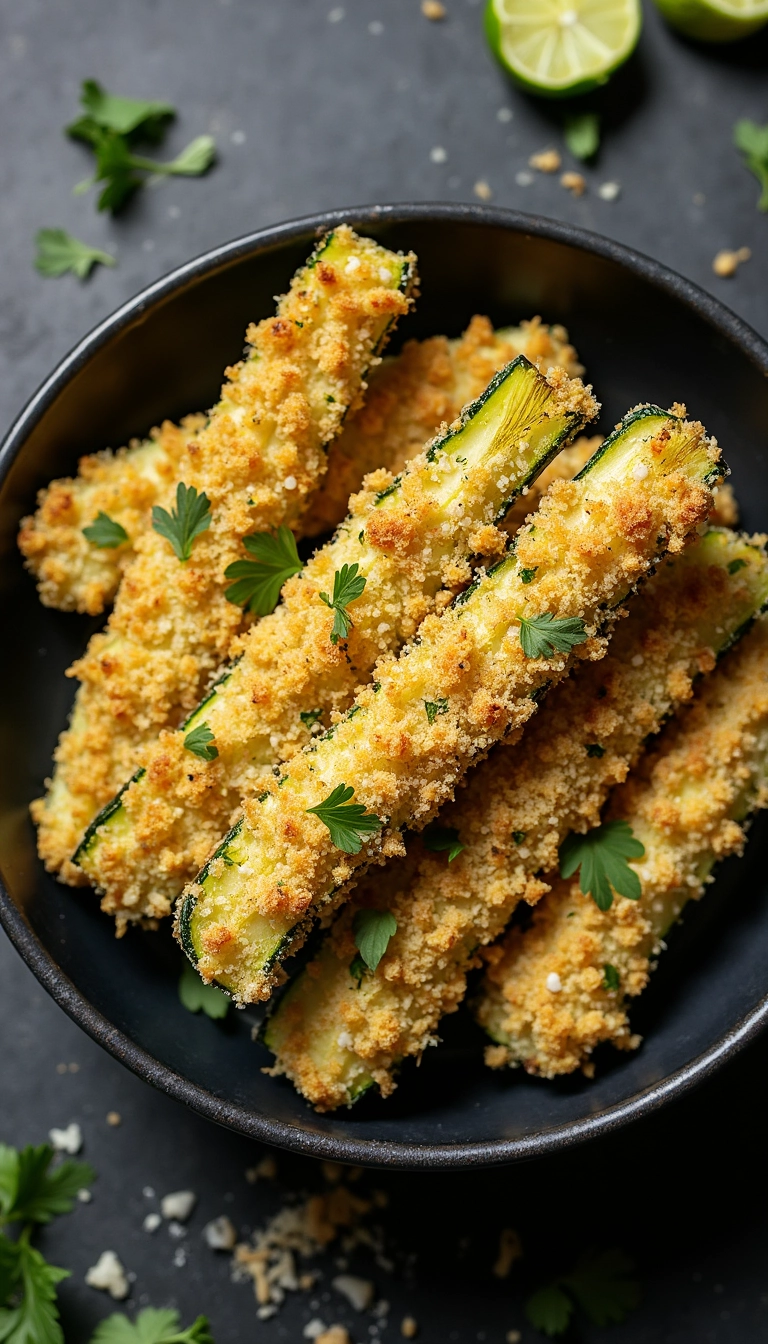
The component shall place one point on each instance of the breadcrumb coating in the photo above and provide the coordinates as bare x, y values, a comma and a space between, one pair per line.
257, 460
408, 397
333, 1036
592, 540
687, 803
409, 537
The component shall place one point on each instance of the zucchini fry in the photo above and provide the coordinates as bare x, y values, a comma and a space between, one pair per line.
335, 1033
256, 462
688, 805
408, 535
464, 684
408, 397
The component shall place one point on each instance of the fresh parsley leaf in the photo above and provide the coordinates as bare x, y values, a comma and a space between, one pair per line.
259, 580
10, 1268
104, 532
752, 140
543, 636
549, 1310
309, 717
58, 252
594, 749
582, 134
602, 856
30, 1192
610, 977
440, 838
434, 708
528, 575
200, 742
348, 585
602, 1286
357, 969
193, 161
347, 822
110, 112
152, 1326
735, 565
191, 516
196, 995
372, 931
35, 1318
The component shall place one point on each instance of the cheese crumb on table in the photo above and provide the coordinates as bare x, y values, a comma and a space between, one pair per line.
220, 1234
152, 1222
727, 263
178, 1205
482, 190
609, 191
358, 1292
68, 1140
546, 161
108, 1275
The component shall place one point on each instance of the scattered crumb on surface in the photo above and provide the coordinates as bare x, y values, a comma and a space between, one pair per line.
513, 1337
408, 1328
265, 1170
108, 1275
152, 1222
68, 1140
483, 190
510, 1250
523, 178
609, 191
358, 1292
337, 1334
220, 1234
178, 1205
546, 161
438, 154
114, 1118
432, 9
84, 1196
574, 182
727, 263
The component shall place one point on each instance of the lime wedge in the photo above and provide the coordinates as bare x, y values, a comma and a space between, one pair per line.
715, 20
557, 48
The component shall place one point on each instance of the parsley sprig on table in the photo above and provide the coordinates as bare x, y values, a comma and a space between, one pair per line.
347, 822
197, 997
152, 1326
258, 581
191, 516
602, 855
600, 1284
104, 532
58, 252
752, 140
372, 930
31, 1192
112, 126
545, 635
348, 585
582, 134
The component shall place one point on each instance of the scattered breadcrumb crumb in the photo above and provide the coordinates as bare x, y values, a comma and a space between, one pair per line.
513, 1337
108, 1275
337, 1334
265, 1170
510, 1250
432, 9
313, 1328
69, 1140
114, 1118
523, 178
220, 1234
483, 190
178, 1205
358, 1292
438, 154
546, 161
727, 263
408, 1328
609, 191
574, 182
84, 1196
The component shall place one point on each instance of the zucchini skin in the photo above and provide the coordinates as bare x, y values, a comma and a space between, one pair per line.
591, 543
172, 626
688, 804
330, 1035
408, 538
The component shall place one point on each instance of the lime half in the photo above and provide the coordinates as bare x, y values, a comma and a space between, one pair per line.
557, 48
715, 20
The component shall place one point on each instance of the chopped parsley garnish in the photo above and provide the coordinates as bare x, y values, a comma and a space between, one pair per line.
735, 565
544, 636
309, 717
582, 134
347, 822
440, 838
357, 969
259, 581
518, 837
528, 575
600, 1284
435, 708
197, 997
58, 252
602, 855
348, 585
200, 742
372, 930
594, 749
610, 977
104, 532
752, 140
190, 517
112, 126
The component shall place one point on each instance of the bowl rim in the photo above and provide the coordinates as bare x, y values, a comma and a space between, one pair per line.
285, 1134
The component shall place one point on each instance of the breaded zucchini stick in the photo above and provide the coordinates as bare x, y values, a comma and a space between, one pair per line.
464, 684
338, 1031
408, 397
407, 536
687, 804
256, 462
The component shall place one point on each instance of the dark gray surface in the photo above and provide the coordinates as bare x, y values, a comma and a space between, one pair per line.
333, 113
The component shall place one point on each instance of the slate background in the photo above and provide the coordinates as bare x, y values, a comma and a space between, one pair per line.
310, 114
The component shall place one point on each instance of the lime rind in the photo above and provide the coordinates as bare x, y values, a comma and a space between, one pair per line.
561, 48
715, 20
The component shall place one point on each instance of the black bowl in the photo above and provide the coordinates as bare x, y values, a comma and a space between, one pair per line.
645, 335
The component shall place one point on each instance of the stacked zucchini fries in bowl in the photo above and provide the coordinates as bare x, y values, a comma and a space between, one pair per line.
525, 669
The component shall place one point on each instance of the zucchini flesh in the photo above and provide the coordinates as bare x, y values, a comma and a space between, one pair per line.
687, 805
404, 539
592, 540
333, 1032
261, 453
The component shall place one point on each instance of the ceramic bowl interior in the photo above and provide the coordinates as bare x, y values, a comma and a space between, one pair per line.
644, 335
